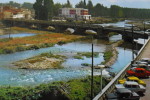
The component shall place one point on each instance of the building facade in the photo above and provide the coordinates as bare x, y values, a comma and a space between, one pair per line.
12, 12
76, 13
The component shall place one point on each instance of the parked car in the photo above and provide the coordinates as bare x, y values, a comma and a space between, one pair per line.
132, 78
144, 66
123, 94
138, 72
146, 60
133, 86
147, 31
141, 62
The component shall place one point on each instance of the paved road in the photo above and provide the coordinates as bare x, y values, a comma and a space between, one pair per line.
147, 93
146, 54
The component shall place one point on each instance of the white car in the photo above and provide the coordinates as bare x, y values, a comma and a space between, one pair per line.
147, 31
133, 86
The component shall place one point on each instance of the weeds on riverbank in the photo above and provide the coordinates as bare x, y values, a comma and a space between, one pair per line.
88, 54
112, 33
35, 42
76, 89
108, 55
20, 29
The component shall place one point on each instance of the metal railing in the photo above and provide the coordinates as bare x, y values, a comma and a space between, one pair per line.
111, 85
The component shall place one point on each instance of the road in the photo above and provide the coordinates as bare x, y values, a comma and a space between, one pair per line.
146, 54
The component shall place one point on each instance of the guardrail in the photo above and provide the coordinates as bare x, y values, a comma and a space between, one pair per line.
111, 85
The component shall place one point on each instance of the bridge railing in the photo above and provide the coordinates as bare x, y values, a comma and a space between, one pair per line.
111, 85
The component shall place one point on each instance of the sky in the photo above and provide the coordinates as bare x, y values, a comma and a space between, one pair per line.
107, 3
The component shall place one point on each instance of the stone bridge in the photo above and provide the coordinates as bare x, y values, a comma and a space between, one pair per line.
102, 32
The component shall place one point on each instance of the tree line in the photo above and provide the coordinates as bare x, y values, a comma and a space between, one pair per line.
97, 10
18, 5
46, 9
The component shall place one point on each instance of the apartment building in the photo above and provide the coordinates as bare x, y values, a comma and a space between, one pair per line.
76, 13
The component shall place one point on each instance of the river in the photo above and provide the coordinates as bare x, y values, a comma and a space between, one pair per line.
72, 67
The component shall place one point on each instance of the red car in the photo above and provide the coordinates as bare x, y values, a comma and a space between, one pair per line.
138, 72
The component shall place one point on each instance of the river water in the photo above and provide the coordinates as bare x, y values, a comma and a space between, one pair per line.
16, 35
72, 67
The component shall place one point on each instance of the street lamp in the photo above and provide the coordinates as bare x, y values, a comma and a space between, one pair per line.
132, 42
144, 31
101, 67
91, 33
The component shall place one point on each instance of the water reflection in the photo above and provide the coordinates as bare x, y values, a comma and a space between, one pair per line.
17, 35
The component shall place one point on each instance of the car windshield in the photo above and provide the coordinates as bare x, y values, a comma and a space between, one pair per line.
124, 95
139, 71
132, 80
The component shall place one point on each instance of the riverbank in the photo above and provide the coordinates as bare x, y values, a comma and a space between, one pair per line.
111, 54
43, 61
76, 89
43, 40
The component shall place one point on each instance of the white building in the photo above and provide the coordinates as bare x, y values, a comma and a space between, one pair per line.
20, 16
77, 13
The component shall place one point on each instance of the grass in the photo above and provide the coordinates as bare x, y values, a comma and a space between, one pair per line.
88, 54
112, 33
46, 39
107, 56
85, 64
78, 57
76, 89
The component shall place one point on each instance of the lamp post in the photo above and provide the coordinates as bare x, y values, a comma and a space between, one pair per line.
91, 33
144, 31
132, 43
101, 67
92, 71
136, 46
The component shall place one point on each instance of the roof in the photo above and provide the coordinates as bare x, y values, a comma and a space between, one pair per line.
133, 78
139, 68
145, 59
124, 90
14, 11
131, 83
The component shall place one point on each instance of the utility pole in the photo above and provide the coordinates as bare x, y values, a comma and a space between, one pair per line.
144, 31
92, 72
132, 44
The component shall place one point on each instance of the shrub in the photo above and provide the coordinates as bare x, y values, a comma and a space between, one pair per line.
78, 57
33, 47
61, 42
8, 50
20, 48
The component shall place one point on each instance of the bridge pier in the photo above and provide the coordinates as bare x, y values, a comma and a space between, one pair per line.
127, 38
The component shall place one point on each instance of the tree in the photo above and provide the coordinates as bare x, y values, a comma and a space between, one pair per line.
43, 9
67, 5
90, 7
81, 4
57, 6
37, 7
14, 4
84, 3
27, 5
48, 6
